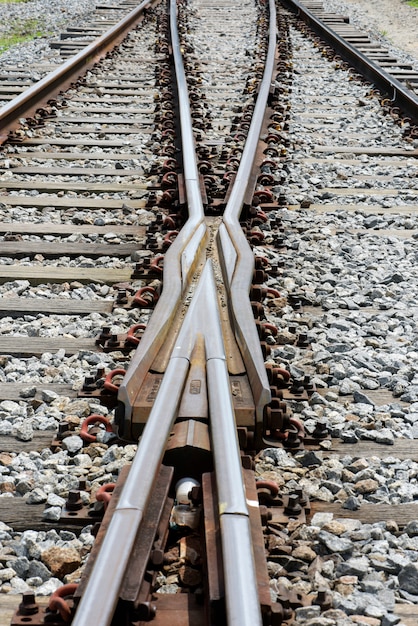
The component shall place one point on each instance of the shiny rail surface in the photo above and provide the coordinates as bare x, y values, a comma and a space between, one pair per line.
397, 91
202, 328
209, 266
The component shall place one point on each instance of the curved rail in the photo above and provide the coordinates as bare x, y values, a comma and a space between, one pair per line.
201, 327
58, 80
400, 94
177, 268
241, 278
107, 575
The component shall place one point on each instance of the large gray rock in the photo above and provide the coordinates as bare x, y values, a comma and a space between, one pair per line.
408, 578
334, 544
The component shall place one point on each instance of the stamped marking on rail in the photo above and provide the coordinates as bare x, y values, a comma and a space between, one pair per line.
195, 386
237, 391
154, 389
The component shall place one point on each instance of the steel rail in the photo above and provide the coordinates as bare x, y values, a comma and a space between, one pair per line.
240, 278
202, 320
242, 602
101, 593
241, 590
109, 568
233, 247
177, 266
399, 94
26, 103
108, 571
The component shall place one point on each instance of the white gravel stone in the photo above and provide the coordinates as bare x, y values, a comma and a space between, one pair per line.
72, 444
52, 513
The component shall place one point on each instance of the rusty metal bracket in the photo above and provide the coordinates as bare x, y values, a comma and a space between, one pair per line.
149, 267
30, 612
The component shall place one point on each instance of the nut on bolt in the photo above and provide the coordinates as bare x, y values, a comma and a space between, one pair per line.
293, 506
293, 440
74, 502
321, 430
28, 606
323, 599
157, 557
303, 498
265, 514
145, 612
277, 614
104, 335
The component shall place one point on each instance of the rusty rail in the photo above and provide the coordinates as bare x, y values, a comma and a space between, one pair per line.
399, 94
28, 102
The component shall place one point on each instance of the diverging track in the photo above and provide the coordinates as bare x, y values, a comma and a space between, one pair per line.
198, 359
202, 334
164, 148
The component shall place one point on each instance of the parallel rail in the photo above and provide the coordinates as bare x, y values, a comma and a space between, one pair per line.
37, 96
398, 92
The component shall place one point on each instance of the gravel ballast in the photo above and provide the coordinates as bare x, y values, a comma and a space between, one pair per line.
357, 279
351, 260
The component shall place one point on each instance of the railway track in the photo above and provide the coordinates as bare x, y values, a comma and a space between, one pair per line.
191, 379
17, 78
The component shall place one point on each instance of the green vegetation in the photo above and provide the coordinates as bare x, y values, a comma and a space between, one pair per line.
12, 1
20, 31
413, 3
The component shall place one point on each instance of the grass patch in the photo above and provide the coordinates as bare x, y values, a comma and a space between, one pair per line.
413, 3
21, 31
